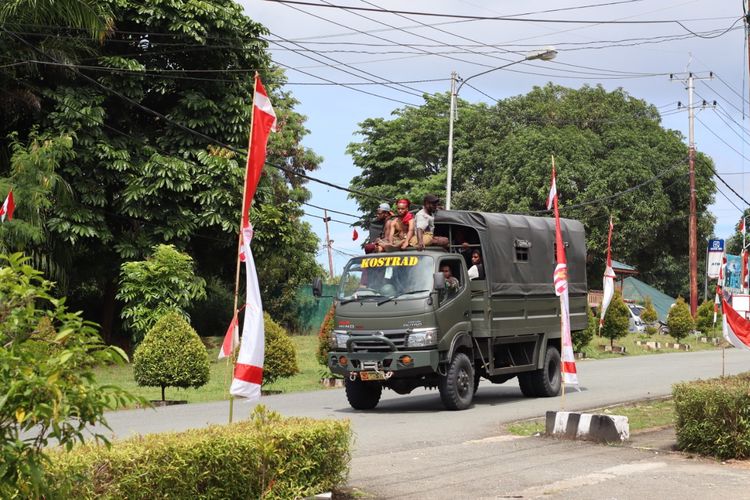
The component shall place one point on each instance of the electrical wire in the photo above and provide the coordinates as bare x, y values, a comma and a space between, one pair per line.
331, 210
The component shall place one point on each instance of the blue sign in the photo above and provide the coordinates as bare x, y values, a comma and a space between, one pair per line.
715, 245
733, 271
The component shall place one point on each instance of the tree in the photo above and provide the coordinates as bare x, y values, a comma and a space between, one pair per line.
616, 320
603, 142
135, 180
171, 355
582, 338
280, 356
162, 283
49, 393
704, 318
679, 321
649, 315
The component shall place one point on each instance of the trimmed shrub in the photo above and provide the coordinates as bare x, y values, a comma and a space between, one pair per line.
171, 355
704, 318
581, 338
713, 416
649, 315
265, 457
616, 320
679, 321
280, 356
324, 337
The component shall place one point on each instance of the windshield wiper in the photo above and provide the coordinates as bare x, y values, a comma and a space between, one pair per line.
361, 297
410, 292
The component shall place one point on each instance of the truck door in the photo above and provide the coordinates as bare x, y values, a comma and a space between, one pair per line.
454, 306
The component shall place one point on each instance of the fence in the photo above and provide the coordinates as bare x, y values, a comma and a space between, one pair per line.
311, 310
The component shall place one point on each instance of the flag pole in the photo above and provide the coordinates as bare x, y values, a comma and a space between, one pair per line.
239, 239
562, 365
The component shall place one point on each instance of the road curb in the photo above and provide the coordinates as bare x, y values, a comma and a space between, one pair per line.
587, 426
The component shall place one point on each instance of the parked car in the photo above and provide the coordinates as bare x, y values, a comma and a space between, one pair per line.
635, 323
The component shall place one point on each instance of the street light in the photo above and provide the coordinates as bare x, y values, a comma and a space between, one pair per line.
545, 54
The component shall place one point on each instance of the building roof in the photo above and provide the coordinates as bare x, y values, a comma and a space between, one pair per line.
621, 267
636, 290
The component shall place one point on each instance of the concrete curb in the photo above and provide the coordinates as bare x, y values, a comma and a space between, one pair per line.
587, 426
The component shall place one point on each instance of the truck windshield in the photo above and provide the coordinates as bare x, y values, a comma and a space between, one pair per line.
372, 278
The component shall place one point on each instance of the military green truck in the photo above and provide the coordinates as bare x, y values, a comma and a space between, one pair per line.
398, 326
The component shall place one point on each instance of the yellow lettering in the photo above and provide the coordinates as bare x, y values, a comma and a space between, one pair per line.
413, 261
388, 261
397, 261
365, 263
381, 262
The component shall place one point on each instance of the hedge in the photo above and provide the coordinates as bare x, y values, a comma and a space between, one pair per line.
264, 457
713, 416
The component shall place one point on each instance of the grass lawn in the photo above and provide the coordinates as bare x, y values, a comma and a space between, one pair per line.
217, 387
593, 351
641, 415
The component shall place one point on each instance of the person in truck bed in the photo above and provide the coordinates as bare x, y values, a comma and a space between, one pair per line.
425, 225
402, 228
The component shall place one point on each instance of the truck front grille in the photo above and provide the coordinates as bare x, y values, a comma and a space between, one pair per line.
397, 337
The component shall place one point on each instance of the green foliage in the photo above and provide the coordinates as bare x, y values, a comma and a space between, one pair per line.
713, 416
162, 283
265, 457
704, 318
171, 355
617, 319
582, 338
280, 356
324, 337
211, 315
49, 394
649, 315
603, 142
679, 321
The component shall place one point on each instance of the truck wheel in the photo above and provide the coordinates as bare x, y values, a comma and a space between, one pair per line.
363, 395
476, 381
547, 380
457, 386
526, 384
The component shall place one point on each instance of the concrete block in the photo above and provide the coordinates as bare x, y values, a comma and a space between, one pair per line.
587, 426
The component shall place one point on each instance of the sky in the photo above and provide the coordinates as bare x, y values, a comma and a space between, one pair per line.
611, 43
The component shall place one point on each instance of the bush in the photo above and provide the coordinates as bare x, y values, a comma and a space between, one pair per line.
164, 282
616, 320
171, 355
581, 338
210, 316
704, 318
713, 416
324, 336
264, 457
280, 356
649, 315
679, 321
48, 393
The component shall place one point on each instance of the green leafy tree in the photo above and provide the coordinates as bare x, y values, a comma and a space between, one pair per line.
280, 356
49, 393
162, 283
582, 338
679, 321
616, 320
603, 142
171, 355
134, 180
704, 318
649, 315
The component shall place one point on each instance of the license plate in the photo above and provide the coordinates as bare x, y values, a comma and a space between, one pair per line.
367, 376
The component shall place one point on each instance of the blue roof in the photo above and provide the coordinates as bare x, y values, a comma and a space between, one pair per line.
622, 266
637, 290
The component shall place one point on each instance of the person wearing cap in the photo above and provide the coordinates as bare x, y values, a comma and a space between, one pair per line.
425, 225
379, 227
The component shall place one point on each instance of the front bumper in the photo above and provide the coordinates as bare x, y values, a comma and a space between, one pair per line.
422, 361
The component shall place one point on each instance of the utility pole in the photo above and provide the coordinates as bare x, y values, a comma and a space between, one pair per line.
693, 222
454, 78
329, 242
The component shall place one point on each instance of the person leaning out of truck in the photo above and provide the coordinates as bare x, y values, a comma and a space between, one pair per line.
402, 228
476, 271
425, 225
451, 282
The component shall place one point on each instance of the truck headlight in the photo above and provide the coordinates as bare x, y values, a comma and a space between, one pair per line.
339, 338
422, 337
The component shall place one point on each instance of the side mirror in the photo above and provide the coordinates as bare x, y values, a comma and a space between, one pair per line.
317, 287
439, 279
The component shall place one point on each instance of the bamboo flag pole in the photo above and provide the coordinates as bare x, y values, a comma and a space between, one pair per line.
562, 365
245, 207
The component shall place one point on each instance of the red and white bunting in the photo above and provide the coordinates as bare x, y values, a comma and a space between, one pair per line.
742, 227
736, 328
609, 278
9, 206
231, 339
552, 190
560, 280
248, 371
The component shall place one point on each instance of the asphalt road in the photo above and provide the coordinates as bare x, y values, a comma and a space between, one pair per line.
409, 446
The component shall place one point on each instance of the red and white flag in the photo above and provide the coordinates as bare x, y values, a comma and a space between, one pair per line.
248, 371
355, 235
609, 278
742, 227
560, 279
736, 328
231, 339
6, 211
552, 190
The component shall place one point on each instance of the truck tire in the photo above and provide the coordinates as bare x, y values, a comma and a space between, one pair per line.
363, 395
526, 384
476, 381
457, 385
548, 379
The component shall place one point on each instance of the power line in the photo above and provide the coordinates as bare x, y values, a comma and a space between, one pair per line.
331, 210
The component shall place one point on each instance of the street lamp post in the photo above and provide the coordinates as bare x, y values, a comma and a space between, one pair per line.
546, 54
